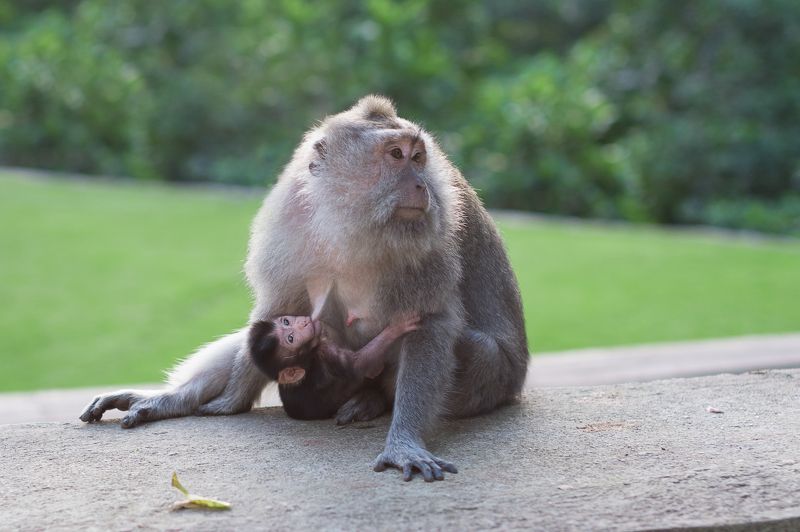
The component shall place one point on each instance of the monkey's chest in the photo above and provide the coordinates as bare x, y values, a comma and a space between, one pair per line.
359, 300
353, 306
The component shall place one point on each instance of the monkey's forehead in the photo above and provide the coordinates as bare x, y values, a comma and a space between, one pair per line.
413, 135
400, 134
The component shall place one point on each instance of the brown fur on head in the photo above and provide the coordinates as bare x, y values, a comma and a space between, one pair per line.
374, 108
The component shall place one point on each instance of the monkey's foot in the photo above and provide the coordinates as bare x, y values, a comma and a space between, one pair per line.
121, 400
150, 409
363, 406
409, 457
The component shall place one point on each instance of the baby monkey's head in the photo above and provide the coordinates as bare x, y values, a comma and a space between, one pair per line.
282, 347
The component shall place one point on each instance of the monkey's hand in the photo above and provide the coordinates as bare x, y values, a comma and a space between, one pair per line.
409, 457
405, 323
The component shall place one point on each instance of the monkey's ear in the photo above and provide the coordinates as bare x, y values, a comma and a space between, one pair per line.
291, 375
321, 147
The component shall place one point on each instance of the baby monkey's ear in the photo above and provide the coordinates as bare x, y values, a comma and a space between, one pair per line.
291, 375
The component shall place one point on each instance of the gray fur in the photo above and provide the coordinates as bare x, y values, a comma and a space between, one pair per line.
330, 218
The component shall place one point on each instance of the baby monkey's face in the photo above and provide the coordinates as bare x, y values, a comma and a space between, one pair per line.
295, 332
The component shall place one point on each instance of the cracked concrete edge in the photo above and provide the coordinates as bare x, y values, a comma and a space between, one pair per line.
567, 368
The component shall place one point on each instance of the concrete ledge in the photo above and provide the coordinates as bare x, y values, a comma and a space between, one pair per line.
622, 457
641, 363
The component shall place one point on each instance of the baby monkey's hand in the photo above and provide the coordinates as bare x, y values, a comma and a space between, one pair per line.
406, 322
369, 360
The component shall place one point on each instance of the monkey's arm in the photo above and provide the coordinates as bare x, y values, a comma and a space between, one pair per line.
369, 360
427, 364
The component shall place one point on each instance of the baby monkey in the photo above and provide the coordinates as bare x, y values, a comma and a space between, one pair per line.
315, 374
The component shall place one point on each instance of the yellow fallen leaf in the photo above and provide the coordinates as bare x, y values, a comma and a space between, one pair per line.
196, 501
177, 484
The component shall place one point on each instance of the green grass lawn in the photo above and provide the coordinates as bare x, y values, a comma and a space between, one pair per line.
111, 283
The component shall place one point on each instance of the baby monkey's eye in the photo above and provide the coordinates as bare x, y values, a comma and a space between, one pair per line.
285, 321
290, 338
417, 157
397, 153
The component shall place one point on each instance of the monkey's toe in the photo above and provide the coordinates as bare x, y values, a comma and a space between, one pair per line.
411, 458
88, 415
135, 417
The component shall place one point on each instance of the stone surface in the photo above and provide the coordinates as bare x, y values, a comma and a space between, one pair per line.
567, 368
621, 457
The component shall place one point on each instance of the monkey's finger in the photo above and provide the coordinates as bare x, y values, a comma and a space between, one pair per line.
96, 414
437, 471
86, 415
425, 469
379, 466
407, 472
446, 466
120, 401
97, 411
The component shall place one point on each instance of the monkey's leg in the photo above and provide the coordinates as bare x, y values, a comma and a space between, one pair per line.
241, 389
365, 405
427, 362
483, 378
177, 402
195, 381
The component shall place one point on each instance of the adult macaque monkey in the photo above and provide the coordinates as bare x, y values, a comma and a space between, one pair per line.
370, 205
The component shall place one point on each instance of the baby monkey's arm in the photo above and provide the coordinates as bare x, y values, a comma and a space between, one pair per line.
369, 360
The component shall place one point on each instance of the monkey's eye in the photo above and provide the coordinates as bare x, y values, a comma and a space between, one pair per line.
397, 153
285, 322
290, 338
417, 157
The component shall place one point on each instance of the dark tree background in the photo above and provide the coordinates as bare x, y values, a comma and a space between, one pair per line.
667, 111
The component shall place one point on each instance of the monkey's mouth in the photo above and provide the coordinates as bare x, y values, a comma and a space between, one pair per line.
411, 214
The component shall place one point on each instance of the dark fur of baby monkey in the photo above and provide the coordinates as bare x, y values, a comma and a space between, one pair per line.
315, 373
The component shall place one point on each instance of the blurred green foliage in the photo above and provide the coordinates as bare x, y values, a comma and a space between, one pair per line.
675, 112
